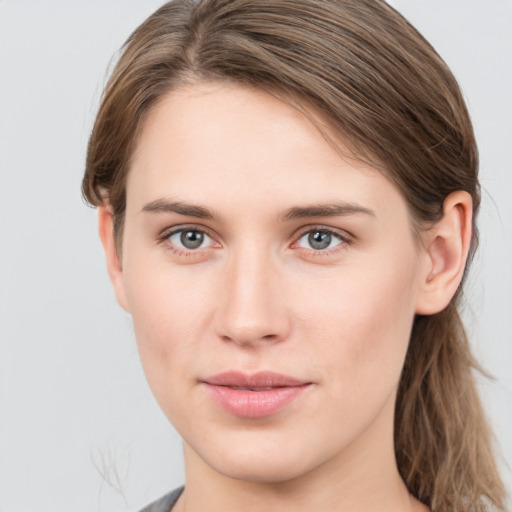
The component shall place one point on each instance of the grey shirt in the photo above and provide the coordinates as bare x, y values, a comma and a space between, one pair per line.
165, 503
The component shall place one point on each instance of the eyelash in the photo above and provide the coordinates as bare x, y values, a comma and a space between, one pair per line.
164, 239
344, 240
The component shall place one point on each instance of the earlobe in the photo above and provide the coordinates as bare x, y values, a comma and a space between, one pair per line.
115, 271
447, 246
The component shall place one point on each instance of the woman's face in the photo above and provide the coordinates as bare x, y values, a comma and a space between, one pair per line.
250, 246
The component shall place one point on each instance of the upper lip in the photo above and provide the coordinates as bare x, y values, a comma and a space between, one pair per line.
264, 379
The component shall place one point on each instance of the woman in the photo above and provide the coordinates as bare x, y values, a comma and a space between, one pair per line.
287, 193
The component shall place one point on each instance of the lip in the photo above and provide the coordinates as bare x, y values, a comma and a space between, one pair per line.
254, 396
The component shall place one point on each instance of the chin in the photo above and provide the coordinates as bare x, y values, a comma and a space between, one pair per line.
262, 462
261, 471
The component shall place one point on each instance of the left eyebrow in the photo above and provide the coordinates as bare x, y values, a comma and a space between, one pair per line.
325, 210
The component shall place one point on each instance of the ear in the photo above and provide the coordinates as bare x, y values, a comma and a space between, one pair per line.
446, 247
115, 271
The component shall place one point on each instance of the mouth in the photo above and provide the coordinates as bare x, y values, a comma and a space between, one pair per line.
254, 396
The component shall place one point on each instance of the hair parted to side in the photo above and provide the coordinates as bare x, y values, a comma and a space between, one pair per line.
381, 85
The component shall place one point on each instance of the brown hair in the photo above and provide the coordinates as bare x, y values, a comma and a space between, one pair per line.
382, 85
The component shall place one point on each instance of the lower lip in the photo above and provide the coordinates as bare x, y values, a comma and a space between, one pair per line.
255, 404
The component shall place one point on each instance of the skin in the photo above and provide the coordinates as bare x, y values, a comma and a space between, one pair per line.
257, 296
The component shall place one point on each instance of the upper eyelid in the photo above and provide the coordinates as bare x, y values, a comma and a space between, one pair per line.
167, 232
341, 233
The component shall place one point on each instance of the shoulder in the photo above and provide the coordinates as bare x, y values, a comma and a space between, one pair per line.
165, 503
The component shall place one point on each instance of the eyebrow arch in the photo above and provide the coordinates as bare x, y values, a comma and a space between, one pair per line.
325, 210
189, 210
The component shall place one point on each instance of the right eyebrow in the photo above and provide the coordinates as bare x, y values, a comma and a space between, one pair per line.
186, 209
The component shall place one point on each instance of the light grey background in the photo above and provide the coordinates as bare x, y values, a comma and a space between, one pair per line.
79, 429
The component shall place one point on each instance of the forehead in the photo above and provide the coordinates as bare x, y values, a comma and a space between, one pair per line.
225, 145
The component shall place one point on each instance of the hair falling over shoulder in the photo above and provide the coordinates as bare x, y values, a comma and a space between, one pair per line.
387, 94
443, 443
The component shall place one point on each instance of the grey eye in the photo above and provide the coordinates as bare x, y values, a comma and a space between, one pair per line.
190, 239
319, 240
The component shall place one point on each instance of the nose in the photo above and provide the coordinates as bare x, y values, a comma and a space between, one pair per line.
251, 306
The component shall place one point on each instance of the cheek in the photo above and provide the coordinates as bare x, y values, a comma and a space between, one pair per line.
170, 315
364, 318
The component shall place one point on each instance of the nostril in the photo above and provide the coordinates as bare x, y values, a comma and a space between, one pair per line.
246, 339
